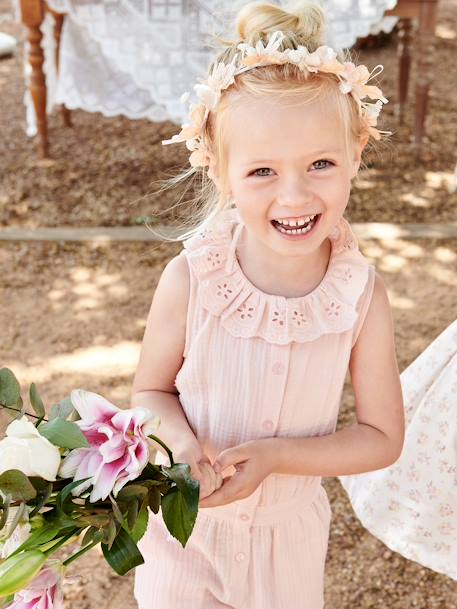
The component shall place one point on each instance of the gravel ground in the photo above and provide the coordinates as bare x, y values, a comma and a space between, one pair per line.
73, 315
104, 171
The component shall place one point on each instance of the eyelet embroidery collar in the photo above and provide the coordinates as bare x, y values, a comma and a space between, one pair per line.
246, 311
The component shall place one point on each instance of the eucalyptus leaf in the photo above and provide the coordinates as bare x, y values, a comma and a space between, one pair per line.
124, 554
36, 401
5, 510
15, 483
180, 504
62, 410
20, 513
64, 434
10, 391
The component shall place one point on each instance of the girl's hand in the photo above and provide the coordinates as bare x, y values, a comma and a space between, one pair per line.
200, 467
253, 461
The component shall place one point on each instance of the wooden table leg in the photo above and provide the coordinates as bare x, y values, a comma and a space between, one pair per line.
425, 57
58, 24
32, 15
405, 37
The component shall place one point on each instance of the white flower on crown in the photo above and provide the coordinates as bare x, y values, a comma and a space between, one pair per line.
221, 77
261, 54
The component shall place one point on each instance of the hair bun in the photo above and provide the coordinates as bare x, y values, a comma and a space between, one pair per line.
304, 22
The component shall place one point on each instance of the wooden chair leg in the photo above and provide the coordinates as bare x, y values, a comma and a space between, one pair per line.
426, 48
405, 36
32, 16
58, 24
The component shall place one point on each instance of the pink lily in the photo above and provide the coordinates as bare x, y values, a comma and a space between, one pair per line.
118, 441
43, 592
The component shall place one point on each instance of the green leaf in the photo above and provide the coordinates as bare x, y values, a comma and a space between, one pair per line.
132, 515
10, 391
123, 554
36, 401
154, 498
92, 534
62, 410
180, 504
64, 434
109, 532
44, 491
5, 510
95, 520
139, 528
20, 513
16, 484
132, 491
116, 510
65, 492
38, 537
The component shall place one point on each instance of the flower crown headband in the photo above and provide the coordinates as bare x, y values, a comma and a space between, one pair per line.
353, 79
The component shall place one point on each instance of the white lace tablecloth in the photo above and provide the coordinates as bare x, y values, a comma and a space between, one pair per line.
137, 57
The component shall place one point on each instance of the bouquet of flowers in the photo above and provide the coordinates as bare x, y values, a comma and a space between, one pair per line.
82, 472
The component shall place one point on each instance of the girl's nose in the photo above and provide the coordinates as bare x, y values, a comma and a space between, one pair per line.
294, 193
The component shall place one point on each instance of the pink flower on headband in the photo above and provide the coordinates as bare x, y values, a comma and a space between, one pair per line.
355, 80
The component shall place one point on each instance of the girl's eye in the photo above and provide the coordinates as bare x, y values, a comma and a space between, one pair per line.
322, 164
262, 172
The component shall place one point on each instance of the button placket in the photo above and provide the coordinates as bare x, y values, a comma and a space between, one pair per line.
275, 387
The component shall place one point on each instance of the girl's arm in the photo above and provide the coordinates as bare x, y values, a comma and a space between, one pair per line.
376, 439
162, 355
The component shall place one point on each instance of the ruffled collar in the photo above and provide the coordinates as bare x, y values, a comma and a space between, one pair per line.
247, 311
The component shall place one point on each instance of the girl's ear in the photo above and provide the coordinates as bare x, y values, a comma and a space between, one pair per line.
213, 174
358, 149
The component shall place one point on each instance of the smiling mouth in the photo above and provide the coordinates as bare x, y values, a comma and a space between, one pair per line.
296, 230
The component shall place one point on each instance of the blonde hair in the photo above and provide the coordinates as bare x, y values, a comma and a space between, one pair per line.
302, 24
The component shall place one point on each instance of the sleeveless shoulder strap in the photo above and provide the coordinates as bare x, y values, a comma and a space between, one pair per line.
364, 303
191, 302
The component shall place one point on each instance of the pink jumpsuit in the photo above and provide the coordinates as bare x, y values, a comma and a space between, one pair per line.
257, 365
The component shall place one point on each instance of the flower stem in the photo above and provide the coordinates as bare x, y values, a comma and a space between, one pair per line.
170, 456
60, 543
29, 414
76, 555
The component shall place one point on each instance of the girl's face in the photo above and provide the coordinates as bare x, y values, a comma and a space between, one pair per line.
288, 162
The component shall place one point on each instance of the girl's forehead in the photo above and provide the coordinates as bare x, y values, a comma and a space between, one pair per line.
256, 126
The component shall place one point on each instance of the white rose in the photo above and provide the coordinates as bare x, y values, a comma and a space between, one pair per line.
20, 534
24, 448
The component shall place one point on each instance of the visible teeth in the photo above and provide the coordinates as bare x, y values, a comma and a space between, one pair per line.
300, 222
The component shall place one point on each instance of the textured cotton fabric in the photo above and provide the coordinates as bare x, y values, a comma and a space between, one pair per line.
412, 505
257, 365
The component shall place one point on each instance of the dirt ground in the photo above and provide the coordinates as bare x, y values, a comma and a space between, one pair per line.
73, 315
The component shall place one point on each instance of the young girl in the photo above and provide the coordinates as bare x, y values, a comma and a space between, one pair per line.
254, 325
